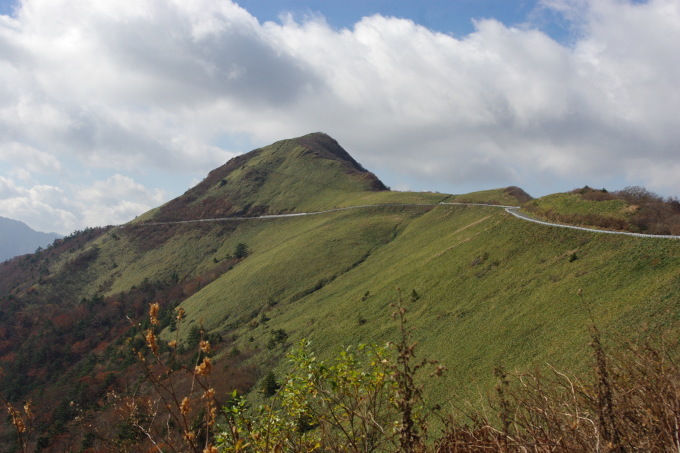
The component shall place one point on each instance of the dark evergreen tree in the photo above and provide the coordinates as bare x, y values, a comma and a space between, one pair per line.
270, 386
241, 251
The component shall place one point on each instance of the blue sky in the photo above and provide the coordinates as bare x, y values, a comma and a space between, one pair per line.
6, 7
444, 16
110, 108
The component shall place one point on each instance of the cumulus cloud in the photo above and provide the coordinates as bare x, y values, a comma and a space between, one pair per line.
503, 104
48, 208
28, 158
115, 200
43, 207
158, 88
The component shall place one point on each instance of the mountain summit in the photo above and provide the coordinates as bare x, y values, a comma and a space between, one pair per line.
308, 172
17, 238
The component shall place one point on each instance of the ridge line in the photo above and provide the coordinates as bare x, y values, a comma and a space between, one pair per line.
509, 209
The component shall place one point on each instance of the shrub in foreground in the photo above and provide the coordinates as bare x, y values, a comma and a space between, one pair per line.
368, 400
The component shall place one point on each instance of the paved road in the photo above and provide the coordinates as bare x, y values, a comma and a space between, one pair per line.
513, 210
273, 216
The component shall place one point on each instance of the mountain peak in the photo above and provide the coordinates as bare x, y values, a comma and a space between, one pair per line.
312, 171
331, 149
17, 238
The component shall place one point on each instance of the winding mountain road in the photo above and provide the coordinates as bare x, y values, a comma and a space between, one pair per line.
512, 210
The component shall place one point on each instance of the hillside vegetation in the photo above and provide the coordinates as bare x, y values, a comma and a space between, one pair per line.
481, 287
632, 209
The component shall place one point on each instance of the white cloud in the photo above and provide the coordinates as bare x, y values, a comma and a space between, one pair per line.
151, 87
27, 158
43, 207
503, 103
115, 188
115, 200
48, 208
663, 179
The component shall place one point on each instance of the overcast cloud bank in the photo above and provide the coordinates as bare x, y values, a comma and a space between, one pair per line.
100, 101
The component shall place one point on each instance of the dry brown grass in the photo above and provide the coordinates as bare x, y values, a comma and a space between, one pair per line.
630, 402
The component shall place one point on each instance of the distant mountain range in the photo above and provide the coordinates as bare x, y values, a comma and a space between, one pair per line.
17, 238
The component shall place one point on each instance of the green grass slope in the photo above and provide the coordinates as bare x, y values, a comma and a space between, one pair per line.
575, 204
574, 209
490, 288
482, 287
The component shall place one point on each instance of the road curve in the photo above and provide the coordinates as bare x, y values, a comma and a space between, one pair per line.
513, 210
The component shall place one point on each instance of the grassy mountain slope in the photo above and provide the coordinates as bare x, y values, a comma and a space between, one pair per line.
481, 286
574, 203
490, 289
